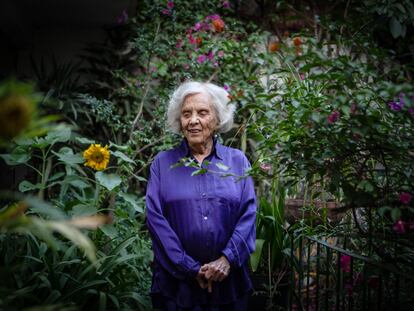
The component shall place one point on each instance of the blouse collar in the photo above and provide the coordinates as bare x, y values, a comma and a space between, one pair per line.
184, 149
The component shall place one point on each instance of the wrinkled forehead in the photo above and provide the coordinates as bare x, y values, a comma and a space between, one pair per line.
199, 99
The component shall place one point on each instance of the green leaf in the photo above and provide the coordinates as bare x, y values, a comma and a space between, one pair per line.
395, 214
109, 181
109, 231
133, 200
43, 208
199, 172
366, 186
257, 254
15, 158
83, 210
66, 155
123, 157
395, 27
26, 185
60, 134
222, 166
84, 140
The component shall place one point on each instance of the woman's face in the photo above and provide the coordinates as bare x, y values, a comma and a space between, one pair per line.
198, 119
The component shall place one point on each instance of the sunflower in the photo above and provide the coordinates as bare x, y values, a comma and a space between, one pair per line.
97, 157
16, 112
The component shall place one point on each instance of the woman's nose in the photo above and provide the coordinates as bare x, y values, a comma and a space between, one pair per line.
194, 119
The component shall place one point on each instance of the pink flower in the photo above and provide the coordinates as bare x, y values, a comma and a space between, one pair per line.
405, 197
333, 117
226, 4
399, 227
186, 66
198, 26
266, 166
201, 58
191, 39
166, 12
215, 64
346, 263
302, 76
226, 87
179, 44
170, 4
220, 54
411, 226
210, 55
213, 17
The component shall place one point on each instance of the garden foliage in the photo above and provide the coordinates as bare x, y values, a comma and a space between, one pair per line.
327, 110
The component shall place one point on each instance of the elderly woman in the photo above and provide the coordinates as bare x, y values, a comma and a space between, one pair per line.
202, 226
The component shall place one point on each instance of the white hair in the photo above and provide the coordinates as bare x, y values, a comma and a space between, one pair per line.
219, 99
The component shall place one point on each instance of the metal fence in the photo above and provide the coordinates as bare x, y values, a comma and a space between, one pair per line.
325, 276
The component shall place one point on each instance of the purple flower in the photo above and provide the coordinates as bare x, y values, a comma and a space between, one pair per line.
399, 227
411, 111
123, 18
201, 58
411, 226
346, 263
401, 96
395, 106
186, 66
170, 4
405, 197
302, 76
333, 117
226, 4
220, 54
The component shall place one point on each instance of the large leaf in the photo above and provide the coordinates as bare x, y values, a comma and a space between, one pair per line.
257, 254
15, 158
59, 134
109, 181
131, 199
395, 27
26, 185
67, 156
123, 157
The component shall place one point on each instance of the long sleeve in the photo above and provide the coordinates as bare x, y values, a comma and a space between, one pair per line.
242, 242
166, 246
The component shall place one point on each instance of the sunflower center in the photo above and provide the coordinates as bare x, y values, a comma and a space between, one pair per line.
97, 157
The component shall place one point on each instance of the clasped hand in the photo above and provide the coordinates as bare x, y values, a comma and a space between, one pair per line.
215, 271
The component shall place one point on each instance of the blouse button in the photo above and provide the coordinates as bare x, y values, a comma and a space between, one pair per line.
205, 217
203, 194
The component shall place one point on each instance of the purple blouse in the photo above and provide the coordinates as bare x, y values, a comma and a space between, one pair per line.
194, 220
